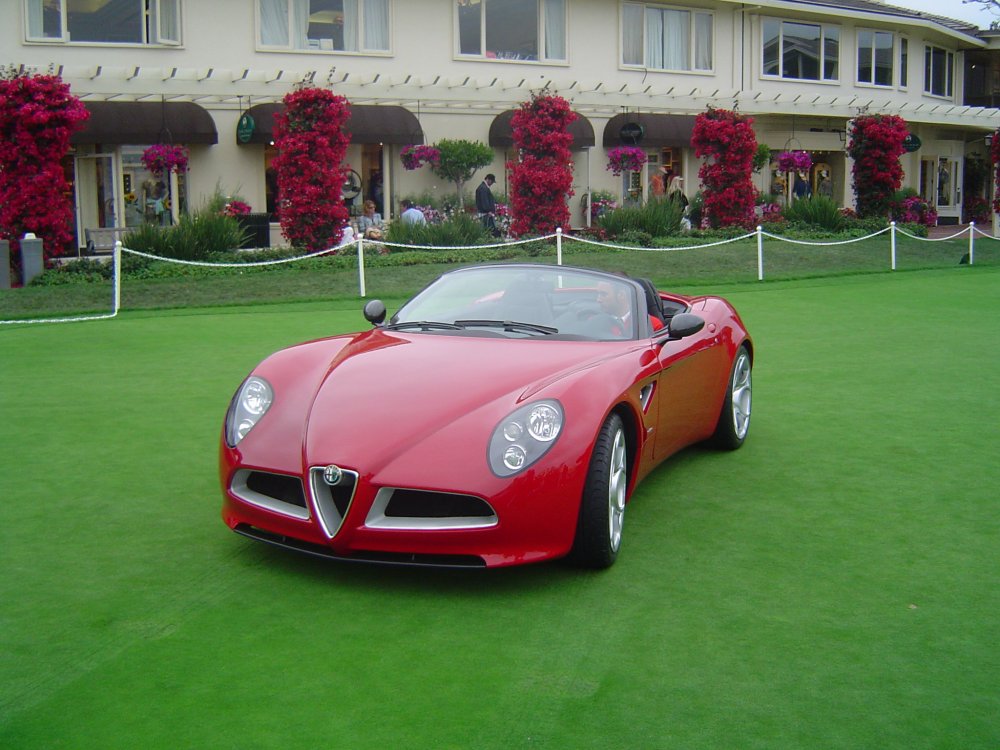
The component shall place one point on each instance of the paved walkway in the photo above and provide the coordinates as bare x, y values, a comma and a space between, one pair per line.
949, 230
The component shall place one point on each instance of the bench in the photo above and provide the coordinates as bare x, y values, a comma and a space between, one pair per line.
103, 239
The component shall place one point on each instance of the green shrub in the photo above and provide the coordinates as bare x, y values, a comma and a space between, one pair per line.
459, 230
192, 238
658, 218
816, 211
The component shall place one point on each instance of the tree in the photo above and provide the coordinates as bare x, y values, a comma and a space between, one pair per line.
37, 117
311, 142
542, 175
727, 143
458, 161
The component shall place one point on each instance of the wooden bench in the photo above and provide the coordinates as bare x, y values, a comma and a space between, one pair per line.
103, 239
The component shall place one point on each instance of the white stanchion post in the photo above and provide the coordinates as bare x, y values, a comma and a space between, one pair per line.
972, 242
361, 264
760, 253
117, 277
892, 245
558, 246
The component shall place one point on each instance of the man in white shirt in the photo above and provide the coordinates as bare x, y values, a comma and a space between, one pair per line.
411, 214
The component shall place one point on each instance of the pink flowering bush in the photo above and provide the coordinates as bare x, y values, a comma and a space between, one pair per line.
236, 208
38, 114
623, 159
913, 209
163, 158
726, 142
541, 177
311, 143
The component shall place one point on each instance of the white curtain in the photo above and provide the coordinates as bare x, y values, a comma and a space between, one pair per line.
300, 24
169, 17
555, 29
654, 39
703, 41
677, 40
377, 25
632, 34
351, 25
274, 23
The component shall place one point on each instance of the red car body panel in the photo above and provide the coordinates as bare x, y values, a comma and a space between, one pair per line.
416, 410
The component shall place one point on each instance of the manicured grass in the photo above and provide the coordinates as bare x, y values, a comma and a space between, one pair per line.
833, 584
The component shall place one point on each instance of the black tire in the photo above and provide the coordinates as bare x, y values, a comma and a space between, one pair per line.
602, 508
734, 419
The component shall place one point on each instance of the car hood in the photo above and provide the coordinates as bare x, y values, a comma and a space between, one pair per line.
384, 391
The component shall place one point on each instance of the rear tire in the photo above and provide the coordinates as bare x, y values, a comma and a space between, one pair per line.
734, 419
602, 509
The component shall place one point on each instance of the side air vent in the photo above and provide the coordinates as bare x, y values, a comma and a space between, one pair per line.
397, 508
279, 493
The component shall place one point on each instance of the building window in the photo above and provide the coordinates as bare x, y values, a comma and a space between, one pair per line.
123, 22
939, 66
666, 38
904, 59
325, 25
800, 51
512, 29
875, 57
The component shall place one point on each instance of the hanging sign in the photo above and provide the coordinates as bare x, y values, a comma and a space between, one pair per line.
911, 143
245, 128
631, 132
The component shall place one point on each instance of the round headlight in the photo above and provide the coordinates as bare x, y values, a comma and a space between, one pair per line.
514, 457
544, 423
512, 431
250, 403
256, 397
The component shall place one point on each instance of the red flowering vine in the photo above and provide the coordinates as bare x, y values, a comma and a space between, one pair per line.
311, 142
995, 158
37, 116
726, 142
541, 175
875, 144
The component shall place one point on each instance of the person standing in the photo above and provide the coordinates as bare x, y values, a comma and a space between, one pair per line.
486, 204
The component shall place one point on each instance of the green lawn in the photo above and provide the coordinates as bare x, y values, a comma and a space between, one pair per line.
834, 584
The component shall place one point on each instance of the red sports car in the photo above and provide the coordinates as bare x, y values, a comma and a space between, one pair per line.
503, 415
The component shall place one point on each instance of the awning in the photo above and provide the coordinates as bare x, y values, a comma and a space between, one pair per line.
502, 136
657, 130
368, 123
146, 122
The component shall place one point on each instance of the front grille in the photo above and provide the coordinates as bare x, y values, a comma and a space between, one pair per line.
398, 508
332, 501
279, 493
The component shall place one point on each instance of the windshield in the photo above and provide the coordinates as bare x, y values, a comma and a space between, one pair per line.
525, 301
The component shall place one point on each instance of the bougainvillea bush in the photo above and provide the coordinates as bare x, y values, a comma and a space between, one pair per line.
726, 142
311, 143
875, 143
541, 177
38, 114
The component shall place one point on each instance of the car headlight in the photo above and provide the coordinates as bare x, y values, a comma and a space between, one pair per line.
525, 436
250, 403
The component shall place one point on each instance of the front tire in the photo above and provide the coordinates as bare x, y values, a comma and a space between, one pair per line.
602, 509
734, 419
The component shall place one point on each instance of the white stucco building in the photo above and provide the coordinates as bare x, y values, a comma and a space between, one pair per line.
417, 71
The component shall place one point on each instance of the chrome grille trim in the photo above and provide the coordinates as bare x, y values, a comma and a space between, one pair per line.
322, 494
238, 486
377, 519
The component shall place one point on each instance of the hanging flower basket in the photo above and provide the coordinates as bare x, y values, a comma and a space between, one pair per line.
164, 158
626, 159
414, 157
794, 161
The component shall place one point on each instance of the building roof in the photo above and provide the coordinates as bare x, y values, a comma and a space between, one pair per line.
881, 8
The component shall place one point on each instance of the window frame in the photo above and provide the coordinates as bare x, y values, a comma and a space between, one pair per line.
152, 10
692, 38
949, 73
541, 58
825, 29
288, 46
873, 51
903, 57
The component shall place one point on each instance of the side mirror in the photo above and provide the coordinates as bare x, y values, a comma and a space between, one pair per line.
375, 312
683, 325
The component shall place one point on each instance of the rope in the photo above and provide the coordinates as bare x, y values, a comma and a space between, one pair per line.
823, 244
585, 241
957, 234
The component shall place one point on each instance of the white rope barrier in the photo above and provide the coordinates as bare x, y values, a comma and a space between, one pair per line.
558, 235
